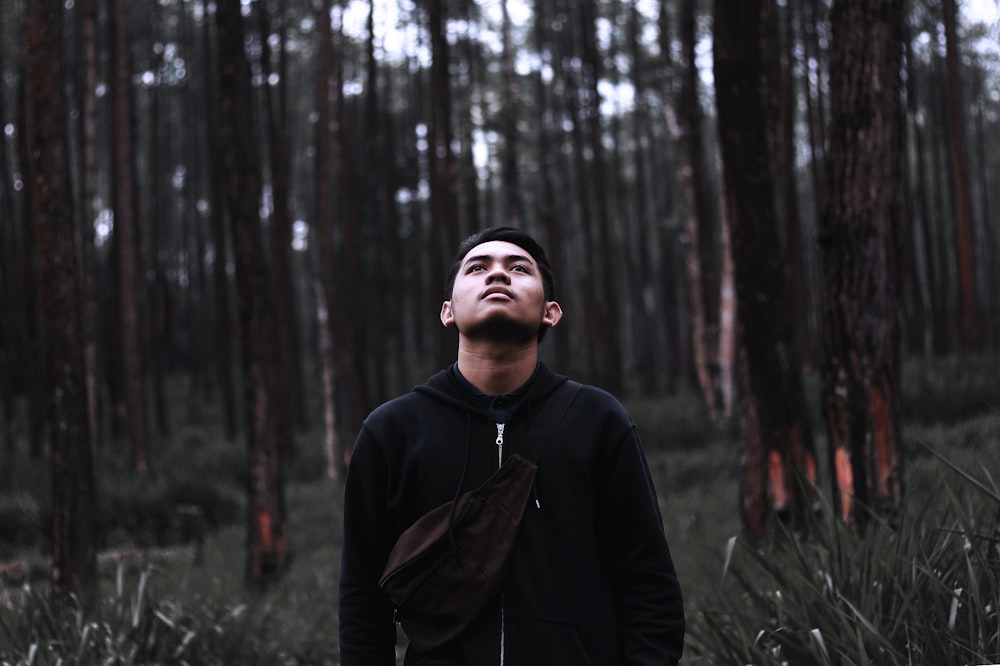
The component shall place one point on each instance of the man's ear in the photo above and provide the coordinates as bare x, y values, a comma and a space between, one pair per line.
447, 316
553, 313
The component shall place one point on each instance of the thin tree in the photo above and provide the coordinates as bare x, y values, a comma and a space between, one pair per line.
441, 158
288, 390
352, 387
609, 311
88, 260
778, 463
325, 250
27, 283
964, 242
74, 568
700, 263
861, 357
513, 197
222, 328
129, 271
267, 540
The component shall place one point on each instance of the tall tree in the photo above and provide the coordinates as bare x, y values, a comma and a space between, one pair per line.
441, 158
267, 539
352, 387
325, 249
609, 311
778, 464
514, 203
88, 260
778, 34
861, 355
222, 328
126, 237
964, 242
288, 375
700, 245
73, 547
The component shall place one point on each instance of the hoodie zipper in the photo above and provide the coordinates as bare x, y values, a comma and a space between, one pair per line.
500, 428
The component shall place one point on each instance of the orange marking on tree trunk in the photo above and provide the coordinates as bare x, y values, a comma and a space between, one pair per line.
264, 527
776, 479
880, 432
845, 481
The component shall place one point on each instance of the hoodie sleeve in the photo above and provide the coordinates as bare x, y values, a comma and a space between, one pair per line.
647, 592
367, 630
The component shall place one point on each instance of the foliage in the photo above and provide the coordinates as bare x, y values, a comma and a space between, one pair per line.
928, 593
133, 626
834, 597
181, 614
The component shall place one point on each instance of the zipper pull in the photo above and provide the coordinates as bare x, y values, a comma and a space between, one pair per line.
500, 427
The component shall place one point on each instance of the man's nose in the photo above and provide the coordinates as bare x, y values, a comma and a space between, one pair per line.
497, 272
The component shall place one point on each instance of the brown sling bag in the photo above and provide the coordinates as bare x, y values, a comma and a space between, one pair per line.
447, 567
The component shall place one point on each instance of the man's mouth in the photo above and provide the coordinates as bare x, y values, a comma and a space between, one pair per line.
493, 291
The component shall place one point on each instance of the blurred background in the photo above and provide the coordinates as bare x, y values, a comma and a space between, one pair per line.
224, 230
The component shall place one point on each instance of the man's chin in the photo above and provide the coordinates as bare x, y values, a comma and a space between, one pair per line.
502, 330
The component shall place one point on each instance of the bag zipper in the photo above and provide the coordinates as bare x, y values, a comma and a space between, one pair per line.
500, 428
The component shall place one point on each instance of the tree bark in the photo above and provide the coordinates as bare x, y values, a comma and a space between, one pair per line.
859, 244
222, 325
701, 266
965, 242
352, 387
288, 393
130, 274
74, 568
267, 539
441, 159
609, 312
325, 251
778, 468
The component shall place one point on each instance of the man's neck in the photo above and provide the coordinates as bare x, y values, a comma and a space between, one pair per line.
497, 369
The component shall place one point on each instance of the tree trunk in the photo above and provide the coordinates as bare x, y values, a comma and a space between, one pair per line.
443, 167
352, 388
160, 315
778, 469
130, 274
701, 267
267, 541
222, 328
859, 243
607, 252
513, 202
287, 375
88, 262
971, 333
325, 251
74, 568
918, 270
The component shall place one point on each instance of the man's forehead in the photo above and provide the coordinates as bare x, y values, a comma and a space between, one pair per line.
498, 249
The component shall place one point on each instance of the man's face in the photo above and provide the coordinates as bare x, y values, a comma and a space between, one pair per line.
499, 295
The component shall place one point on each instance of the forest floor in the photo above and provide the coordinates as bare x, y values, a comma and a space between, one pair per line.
952, 405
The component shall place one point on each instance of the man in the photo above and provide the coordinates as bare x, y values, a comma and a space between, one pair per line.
591, 580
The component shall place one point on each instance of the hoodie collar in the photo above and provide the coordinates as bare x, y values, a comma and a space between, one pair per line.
449, 386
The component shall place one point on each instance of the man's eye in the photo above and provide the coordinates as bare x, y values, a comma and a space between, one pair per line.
520, 267
476, 267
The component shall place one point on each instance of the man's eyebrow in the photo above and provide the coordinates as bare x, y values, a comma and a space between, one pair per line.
510, 258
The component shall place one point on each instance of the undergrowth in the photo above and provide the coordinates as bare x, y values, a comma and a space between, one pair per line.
927, 593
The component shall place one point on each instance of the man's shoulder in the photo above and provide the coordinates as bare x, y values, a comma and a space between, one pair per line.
426, 397
400, 406
595, 402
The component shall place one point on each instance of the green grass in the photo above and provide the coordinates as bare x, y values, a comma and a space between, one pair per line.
834, 598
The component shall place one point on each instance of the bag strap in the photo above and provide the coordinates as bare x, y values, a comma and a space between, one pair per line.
548, 418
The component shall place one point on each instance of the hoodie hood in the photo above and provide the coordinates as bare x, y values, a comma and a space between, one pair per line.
447, 387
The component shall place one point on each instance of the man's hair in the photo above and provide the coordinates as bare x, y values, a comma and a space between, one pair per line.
508, 235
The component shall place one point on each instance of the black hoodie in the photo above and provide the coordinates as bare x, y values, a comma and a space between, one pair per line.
591, 580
